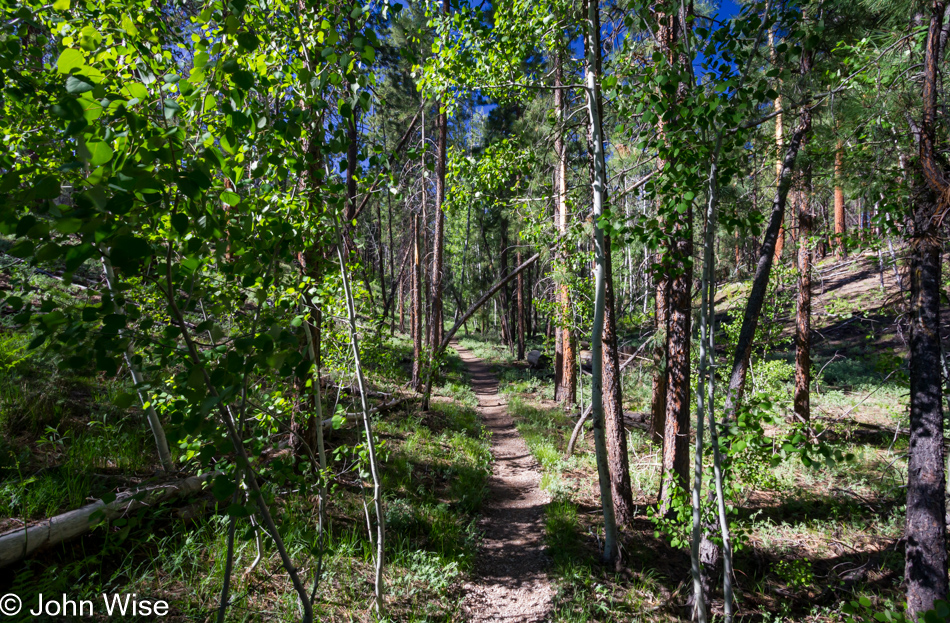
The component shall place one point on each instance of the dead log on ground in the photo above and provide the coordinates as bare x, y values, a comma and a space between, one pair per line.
17, 545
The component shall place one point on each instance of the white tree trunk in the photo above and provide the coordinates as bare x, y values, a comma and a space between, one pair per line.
597, 346
17, 545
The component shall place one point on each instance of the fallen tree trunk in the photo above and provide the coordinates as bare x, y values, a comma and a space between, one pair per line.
358, 417
17, 545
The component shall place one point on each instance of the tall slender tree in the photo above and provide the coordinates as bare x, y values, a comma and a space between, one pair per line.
926, 533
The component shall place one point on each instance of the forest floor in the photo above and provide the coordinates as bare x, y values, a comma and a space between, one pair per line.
808, 537
510, 582
469, 538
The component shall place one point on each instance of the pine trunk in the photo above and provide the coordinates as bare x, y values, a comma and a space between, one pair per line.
658, 403
802, 402
565, 364
676, 427
926, 531
416, 307
840, 223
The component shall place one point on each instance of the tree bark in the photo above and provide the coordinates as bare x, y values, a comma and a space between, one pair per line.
618, 461
599, 187
565, 358
676, 428
779, 144
402, 306
17, 545
679, 264
658, 403
520, 307
840, 223
438, 244
416, 307
926, 553
802, 402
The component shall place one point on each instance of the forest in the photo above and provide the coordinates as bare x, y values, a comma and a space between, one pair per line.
416, 310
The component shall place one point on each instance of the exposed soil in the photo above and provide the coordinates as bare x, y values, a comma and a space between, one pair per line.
510, 583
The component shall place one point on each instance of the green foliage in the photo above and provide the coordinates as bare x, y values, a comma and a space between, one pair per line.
797, 574
863, 610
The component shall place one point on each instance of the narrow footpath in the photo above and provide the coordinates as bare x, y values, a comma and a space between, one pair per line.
510, 583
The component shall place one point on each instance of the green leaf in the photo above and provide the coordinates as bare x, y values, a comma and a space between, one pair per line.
127, 250
69, 60
46, 188
248, 41
180, 223
244, 79
61, 5
171, 109
99, 153
78, 84
54, 319
129, 26
124, 400
223, 488
135, 90
238, 510
113, 323
230, 198
228, 141
68, 225
190, 264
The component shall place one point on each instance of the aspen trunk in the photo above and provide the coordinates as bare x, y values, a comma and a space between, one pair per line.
17, 545
379, 587
592, 53
621, 490
154, 423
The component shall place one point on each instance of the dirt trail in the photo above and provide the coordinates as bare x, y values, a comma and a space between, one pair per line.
510, 582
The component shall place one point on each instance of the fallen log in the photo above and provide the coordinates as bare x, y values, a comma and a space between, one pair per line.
17, 545
357, 417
